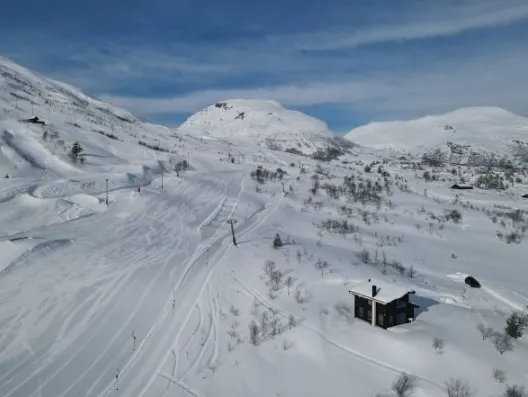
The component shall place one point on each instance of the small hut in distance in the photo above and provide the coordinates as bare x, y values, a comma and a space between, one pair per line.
460, 186
35, 120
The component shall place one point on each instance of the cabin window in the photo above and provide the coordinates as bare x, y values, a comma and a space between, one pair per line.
361, 312
369, 302
400, 318
369, 315
380, 319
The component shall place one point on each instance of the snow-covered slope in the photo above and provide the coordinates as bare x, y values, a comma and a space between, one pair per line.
64, 116
149, 297
266, 123
457, 134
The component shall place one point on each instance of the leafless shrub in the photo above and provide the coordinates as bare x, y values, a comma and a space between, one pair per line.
514, 391
286, 345
289, 283
264, 323
276, 280
254, 333
498, 375
255, 309
486, 332
438, 344
269, 267
403, 385
458, 388
453, 215
502, 343
363, 256
234, 311
513, 237
233, 332
276, 326
301, 294
322, 265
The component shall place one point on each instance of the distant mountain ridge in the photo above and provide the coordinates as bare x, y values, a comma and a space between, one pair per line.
266, 123
472, 135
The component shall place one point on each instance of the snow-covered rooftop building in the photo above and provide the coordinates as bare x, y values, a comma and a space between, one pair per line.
382, 304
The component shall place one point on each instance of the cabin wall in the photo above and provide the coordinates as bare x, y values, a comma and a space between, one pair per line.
399, 311
363, 308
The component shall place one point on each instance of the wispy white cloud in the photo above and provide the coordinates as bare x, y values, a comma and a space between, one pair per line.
291, 69
481, 80
274, 54
295, 95
431, 19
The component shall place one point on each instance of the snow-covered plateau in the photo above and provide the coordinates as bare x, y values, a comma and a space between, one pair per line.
119, 275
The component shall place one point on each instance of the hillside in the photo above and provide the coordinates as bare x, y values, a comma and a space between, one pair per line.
148, 295
264, 123
465, 136
40, 147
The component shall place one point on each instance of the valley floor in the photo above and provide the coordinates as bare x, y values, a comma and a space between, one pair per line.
148, 296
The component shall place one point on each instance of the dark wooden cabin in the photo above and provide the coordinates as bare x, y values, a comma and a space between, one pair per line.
458, 186
382, 304
35, 120
524, 196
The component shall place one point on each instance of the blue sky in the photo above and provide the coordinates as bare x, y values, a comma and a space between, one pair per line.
347, 62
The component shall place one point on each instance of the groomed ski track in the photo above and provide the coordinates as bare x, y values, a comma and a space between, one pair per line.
165, 257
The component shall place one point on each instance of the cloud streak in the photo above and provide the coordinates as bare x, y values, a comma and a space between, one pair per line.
477, 81
427, 22
378, 58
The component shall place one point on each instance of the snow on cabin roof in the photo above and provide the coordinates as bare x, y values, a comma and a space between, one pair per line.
386, 292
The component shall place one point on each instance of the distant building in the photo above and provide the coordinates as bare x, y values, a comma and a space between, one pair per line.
382, 304
525, 195
461, 187
35, 120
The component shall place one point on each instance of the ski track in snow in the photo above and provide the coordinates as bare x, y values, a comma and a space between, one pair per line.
160, 257
503, 299
203, 344
248, 226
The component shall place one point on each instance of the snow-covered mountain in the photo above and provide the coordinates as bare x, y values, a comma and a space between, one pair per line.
40, 119
469, 135
147, 295
262, 122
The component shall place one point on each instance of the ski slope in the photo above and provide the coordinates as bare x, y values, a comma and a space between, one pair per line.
148, 296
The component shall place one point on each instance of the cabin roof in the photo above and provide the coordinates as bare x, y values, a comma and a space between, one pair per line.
386, 292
